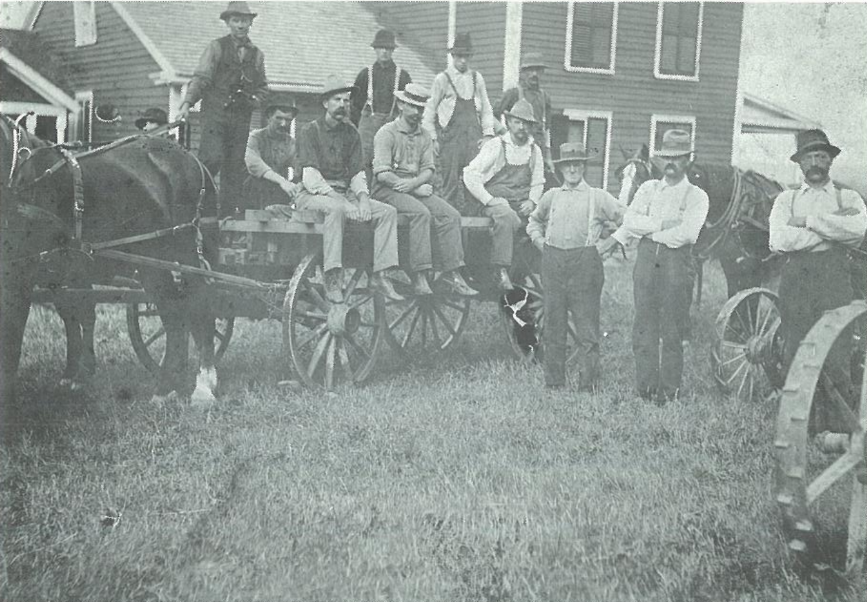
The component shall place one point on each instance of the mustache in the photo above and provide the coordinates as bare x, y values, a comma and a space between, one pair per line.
817, 170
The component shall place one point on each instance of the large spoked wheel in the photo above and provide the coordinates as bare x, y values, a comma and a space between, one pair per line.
813, 469
331, 343
425, 323
515, 315
746, 354
148, 337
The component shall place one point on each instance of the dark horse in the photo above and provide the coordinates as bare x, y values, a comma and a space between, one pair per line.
133, 187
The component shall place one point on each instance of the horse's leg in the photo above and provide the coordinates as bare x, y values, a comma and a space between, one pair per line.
161, 288
202, 327
72, 326
15, 294
87, 317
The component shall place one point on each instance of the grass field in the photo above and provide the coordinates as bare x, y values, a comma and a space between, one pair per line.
455, 478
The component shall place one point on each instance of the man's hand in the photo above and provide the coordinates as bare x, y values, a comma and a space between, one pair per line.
671, 223
539, 243
403, 185
549, 165
526, 208
606, 246
484, 139
424, 190
436, 148
289, 188
183, 112
365, 211
798, 221
497, 201
351, 211
846, 211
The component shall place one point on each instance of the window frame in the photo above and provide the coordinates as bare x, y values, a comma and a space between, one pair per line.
612, 56
677, 119
657, 52
576, 114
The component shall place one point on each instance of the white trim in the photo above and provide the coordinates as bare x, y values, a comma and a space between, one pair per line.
584, 115
512, 45
656, 118
84, 21
657, 51
36, 81
34, 15
567, 57
14, 107
82, 97
139, 33
452, 27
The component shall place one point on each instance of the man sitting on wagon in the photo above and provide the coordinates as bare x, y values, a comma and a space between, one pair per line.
271, 161
507, 178
403, 164
332, 172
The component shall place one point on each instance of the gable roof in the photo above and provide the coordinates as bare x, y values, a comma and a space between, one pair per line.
303, 42
41, 71
762, 116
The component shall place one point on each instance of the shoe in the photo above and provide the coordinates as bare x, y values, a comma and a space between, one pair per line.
333, 281
458, 286
504, 283
420, 286
382, 286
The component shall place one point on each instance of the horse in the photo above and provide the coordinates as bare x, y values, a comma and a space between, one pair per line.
143, 194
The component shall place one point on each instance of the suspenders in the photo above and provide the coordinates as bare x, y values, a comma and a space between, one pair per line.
369, 102
458, 96
531, 161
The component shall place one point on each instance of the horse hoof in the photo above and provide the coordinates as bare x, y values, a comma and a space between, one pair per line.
202, 399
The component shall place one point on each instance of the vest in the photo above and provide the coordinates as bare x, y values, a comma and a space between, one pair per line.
234, 81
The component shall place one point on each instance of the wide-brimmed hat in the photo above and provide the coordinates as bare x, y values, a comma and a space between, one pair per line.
533, 60
384, 38
107, 113
810, 140
158, 116
333, 85
463, 44
572, 152
237, 8
522, 110
675, 143
414, 94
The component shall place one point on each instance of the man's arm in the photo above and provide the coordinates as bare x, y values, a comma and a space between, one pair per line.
636, 221
428, 118
691, 222
481, 169
256, 166
358, 97
538, 220
202, 77
784, 238
308, 161
489, 124
260, 94
537, 178
846, 225
510, 97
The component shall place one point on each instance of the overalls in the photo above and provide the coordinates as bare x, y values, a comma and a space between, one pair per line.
458, 146
513, 184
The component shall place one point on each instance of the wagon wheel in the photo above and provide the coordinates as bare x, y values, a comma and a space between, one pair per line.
331, 343
532, 283
805, 474
424, 323
148, 337
746, 353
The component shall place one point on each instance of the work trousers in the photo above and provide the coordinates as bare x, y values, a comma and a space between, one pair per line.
507, 222
459, 144
221, 150
434, 229
334, 207
662, 290
573, 280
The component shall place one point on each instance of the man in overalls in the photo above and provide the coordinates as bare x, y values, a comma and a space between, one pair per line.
457, 117
372, 100
230, 80
507, 178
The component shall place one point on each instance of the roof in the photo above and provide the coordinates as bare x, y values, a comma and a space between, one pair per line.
762, 116
303, 42
26, 47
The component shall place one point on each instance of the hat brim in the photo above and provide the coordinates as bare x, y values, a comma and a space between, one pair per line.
410, 101
673, 154
224, 16
534, 66
329, 93
521, 117
141, 121
389, 46
832, 150
574, 160
463, 50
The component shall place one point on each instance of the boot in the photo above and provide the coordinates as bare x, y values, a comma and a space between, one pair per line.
419, 284
504, 283
380, 285
457, 285
334, 285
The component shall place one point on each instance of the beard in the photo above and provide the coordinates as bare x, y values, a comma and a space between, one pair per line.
520, 137
816, 173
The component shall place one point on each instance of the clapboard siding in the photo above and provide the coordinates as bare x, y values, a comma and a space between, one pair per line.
422, 26
116, 68
486, 24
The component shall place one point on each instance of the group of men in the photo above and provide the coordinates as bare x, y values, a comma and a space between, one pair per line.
386, 146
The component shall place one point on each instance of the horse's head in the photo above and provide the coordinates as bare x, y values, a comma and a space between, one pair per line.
635, 171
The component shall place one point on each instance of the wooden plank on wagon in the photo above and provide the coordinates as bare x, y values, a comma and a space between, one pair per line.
274, 226
476, 222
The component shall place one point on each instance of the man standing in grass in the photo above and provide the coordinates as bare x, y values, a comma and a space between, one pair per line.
667, 215
566, 227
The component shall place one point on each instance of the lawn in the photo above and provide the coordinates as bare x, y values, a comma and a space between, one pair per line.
455, 477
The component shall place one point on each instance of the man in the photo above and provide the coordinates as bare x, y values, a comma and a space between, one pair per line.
151, 119
404, 164
507, 178
667, 215
529, 88
373, 100
457, 117
332, 171
566, 226
271, 160
815, 226
230, 80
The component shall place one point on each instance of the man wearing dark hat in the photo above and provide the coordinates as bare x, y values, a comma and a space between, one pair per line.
529, 88
403, 165
815, 226
566, 226
506, 178
457, 117
271, 159
230, 80
151, 119
667, 216
332, 167
373, 100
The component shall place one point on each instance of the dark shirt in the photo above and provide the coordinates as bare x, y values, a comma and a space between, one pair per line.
335, 152
383, 89
267, 151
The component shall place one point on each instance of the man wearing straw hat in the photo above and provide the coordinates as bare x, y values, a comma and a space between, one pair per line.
373, 100
403, 165
230, 80
332, 174
566, 226
507, 178
667, 215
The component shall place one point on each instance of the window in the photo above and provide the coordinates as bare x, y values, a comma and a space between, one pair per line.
85, 23
591, 37
593, 130
659, 124
678, 40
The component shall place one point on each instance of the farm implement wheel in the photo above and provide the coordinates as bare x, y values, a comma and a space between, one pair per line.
424, 323
746, 353
148, 337
331, 343
812, 468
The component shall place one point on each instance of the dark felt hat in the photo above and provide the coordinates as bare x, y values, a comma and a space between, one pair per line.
571, 152
237, 8
675, 143
810, 140
334, 84
158, 116
287, 107
384, 38
533, 60
463, 44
